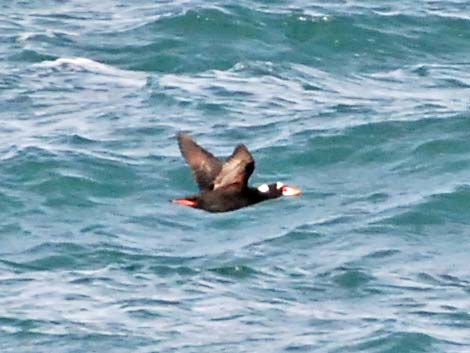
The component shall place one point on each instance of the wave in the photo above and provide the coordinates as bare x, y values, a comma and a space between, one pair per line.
46, 35
435, 208
129, 78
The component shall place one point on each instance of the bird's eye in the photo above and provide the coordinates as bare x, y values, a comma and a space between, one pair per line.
263, 188
279, 185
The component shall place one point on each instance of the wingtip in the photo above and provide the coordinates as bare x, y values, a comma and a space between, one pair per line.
241, 150
180, 135
241, 147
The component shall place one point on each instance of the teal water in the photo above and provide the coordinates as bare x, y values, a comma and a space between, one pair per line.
365, 105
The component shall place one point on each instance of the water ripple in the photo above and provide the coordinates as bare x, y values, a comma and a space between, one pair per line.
362, 104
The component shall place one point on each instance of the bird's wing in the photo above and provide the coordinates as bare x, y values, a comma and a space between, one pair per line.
236, 170
204, 165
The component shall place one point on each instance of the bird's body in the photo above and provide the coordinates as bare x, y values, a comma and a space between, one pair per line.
224, 185
223, 201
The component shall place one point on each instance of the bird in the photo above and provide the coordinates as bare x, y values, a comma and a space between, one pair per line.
223, 185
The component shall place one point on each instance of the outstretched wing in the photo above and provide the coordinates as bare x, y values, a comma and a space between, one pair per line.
204, 165
236, 170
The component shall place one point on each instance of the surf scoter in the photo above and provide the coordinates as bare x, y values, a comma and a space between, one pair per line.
223, 186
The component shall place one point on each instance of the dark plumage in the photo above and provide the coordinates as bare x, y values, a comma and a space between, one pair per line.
223, 186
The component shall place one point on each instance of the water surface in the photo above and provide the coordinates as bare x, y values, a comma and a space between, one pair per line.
363, 104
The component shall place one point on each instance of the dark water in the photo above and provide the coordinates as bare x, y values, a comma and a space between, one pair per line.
363, 104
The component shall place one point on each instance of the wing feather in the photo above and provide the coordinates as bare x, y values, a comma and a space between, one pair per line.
204, 165
236, 170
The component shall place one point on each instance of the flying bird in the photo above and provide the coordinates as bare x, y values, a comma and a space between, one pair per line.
223, 186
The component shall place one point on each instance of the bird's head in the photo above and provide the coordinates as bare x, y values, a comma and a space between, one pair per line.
278, 189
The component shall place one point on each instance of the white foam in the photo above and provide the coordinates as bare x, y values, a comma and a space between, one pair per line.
84, 64
24, 37
80, 63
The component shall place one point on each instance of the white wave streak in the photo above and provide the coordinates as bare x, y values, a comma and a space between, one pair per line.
126, 77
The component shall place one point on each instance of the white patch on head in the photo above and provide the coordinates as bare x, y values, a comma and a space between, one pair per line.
279, 185
263, 188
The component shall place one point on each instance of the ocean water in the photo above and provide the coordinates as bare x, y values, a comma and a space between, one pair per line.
365, 105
